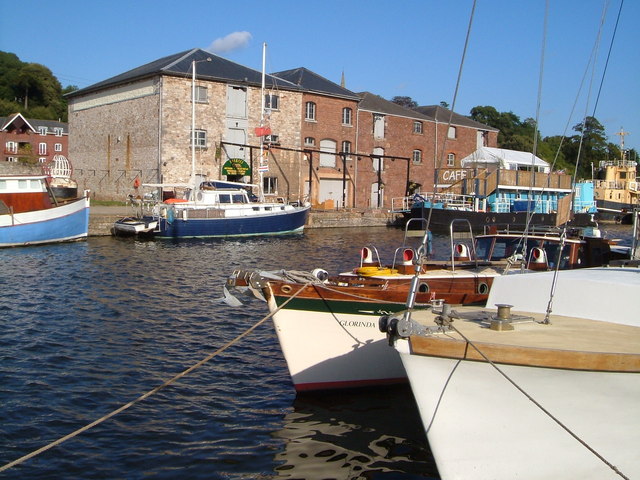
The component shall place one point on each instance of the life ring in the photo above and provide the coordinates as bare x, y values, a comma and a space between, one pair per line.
136, 182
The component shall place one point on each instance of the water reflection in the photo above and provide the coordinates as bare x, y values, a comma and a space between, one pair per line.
354, 435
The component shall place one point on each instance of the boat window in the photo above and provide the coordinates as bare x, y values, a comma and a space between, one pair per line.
22, 184
239, 198
483, 248
224, 198
3, 184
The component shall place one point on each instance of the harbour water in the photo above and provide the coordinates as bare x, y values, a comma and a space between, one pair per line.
88, 327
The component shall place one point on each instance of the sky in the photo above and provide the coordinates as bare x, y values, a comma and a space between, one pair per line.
391, 48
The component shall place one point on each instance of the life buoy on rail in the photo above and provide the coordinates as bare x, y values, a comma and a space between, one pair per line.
136, 182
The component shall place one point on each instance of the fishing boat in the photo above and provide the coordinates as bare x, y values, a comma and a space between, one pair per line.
542, 383
215, 208
503, 187
30, 214
327, 325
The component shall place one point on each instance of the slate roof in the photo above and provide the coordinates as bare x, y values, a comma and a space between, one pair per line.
35, 123
179, 64
441, 115
312, 82
377, 104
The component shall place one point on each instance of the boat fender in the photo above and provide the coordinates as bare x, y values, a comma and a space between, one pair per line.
320, 274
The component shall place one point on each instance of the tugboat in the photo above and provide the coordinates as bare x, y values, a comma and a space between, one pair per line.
617, 187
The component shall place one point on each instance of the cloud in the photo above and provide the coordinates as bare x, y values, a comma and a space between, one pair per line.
231, 42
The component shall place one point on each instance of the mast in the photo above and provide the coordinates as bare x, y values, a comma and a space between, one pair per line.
262, 167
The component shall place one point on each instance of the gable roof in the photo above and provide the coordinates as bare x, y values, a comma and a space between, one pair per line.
210, 66
17, 119
312, 82
441, 114
377, 104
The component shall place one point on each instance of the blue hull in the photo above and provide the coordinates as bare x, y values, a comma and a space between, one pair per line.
59, 224
275, 224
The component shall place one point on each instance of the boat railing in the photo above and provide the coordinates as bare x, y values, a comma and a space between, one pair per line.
463, 245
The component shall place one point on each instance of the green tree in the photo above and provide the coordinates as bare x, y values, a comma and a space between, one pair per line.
406, 102
31, 89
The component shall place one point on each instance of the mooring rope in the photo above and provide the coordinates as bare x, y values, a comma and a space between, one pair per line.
544, 410
151, 392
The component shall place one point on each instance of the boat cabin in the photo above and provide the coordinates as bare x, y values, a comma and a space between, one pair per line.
23, 193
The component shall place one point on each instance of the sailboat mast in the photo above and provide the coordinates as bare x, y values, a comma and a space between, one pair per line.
262, 108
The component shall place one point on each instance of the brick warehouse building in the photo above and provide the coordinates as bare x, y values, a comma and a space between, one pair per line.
323, 144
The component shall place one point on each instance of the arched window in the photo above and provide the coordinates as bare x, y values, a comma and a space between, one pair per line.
310, 111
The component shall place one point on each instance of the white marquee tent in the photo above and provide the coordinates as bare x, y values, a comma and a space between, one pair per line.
492, 158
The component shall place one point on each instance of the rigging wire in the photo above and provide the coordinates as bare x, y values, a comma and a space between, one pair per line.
150, 392
539, 405
453, 106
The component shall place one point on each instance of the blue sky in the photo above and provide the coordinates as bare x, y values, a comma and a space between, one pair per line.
390, 48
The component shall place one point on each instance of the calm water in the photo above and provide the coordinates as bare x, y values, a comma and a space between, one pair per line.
90, 326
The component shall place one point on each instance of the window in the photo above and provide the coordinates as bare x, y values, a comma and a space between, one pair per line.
42, 148
200, 138
57, 147
272, 101
42, 130
452, 132
327, 153
417, 157
270, 185
42, 160
346, 146
12, 159
310, 111
417, 127
451, 160
12, 147
58, 131
272, 139
346, 116
201, 94
310, 141
378, 125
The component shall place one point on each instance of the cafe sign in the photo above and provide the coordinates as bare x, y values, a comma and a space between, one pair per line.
236, 166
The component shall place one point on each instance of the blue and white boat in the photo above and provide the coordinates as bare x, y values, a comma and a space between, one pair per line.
30, 214
221, 209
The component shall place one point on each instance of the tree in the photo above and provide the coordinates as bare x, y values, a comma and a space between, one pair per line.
31, 89
406, 102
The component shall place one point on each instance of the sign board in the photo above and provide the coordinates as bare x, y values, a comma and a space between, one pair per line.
236, 166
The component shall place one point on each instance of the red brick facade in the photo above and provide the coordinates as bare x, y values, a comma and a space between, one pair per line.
32, 142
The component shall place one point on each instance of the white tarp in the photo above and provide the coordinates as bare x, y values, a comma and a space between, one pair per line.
487, 157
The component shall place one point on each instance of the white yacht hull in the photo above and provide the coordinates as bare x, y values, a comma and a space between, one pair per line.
480, 426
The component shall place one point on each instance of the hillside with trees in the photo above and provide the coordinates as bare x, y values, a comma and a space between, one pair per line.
31, 89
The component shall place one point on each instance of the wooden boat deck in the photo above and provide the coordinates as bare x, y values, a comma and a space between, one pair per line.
567, 342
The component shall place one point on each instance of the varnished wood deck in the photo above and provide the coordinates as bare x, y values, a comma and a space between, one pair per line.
568, 343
